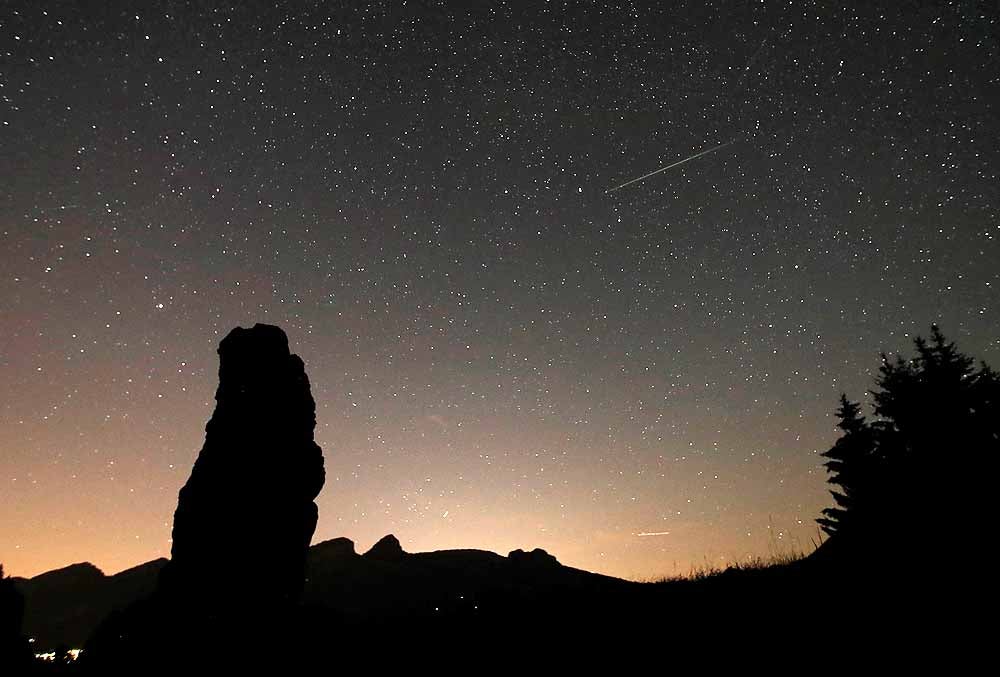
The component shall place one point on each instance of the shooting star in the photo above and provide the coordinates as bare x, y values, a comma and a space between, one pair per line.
670, 166
52, 209
653, 533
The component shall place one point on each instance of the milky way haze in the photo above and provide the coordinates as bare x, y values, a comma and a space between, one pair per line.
503, 354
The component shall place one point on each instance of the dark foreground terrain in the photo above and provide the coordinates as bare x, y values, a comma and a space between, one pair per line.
384, 585
390, 608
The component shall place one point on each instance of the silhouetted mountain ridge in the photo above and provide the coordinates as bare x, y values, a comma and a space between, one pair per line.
387, 547
65, 606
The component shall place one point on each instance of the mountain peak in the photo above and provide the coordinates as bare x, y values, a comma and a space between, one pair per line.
82, 572
536, 557
387, 548
335, 547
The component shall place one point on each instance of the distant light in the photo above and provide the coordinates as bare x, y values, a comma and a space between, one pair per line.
50, 656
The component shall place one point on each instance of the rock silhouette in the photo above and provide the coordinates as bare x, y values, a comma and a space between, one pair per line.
335, 548
254, 480
242, 528
535, 558
387, 548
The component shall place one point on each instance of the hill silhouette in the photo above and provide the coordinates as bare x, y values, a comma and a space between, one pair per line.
64, 606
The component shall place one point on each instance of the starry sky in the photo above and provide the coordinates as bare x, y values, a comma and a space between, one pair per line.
506, 352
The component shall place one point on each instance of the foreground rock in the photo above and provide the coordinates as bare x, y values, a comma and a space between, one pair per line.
242, 527
254, 480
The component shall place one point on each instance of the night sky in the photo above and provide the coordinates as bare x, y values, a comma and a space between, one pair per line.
504, 354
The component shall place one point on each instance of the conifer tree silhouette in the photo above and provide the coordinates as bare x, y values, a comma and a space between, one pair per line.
923, 465
851, 465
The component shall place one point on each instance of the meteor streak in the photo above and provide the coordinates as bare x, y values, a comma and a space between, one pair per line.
670, 166
653, 533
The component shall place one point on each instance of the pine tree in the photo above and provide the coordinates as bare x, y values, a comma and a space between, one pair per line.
849, 457
923, 467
